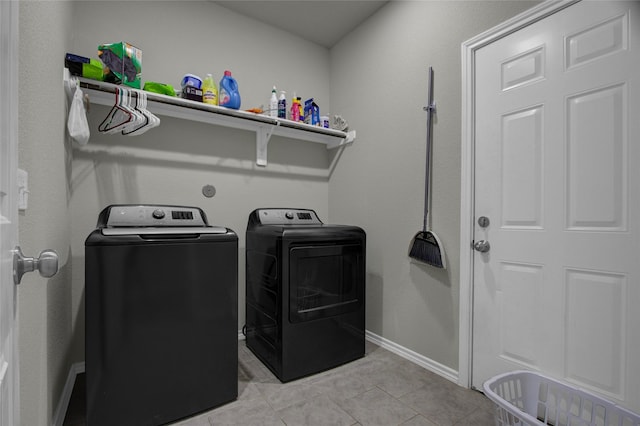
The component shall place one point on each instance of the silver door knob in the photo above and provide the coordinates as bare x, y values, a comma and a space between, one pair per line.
482, 246
46, 264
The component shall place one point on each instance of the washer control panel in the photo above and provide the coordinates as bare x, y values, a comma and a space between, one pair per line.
288, 217
154, 215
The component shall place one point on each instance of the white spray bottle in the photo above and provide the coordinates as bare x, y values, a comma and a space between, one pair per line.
273, 103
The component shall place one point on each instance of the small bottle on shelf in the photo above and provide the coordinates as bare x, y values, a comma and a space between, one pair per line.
295, 110
282, 105
273, 103
209, 91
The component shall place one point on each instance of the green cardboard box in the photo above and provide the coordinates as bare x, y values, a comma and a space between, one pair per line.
123, 63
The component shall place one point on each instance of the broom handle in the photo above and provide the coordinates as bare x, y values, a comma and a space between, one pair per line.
429, 109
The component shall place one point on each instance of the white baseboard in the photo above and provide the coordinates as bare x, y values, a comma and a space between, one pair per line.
63, 403
424, 362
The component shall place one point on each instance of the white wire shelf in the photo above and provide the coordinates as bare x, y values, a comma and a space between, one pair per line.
102, 93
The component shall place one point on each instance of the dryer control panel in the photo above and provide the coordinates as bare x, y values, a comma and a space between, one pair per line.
287, 217
117, 216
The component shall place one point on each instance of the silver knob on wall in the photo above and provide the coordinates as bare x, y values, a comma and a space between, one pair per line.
46, 264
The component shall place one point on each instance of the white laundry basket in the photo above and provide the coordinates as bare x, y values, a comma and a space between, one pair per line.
526, 398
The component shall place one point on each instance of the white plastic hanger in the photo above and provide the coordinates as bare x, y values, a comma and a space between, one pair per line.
149, 120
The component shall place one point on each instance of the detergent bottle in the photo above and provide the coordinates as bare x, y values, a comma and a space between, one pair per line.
229, 95
209, 91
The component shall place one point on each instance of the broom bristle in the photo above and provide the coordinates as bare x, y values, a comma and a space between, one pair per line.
425, 248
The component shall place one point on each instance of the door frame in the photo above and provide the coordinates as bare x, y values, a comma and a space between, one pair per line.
467, 163
9, 86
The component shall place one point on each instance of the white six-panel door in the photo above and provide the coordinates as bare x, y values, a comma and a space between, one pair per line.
557, 173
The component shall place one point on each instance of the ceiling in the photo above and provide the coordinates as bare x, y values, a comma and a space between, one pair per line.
323, 22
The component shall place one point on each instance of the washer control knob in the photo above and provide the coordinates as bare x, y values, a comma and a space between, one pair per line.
158, 214
289, 215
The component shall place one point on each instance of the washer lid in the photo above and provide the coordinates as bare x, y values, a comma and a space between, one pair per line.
148, 230
156, 216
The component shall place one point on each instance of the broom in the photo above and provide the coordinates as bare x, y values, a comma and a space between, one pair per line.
426, 246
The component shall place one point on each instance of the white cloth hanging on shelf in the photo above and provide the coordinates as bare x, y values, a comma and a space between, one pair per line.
77, 124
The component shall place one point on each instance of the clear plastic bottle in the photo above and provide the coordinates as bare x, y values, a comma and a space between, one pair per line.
273, 103
209, 91
282, 105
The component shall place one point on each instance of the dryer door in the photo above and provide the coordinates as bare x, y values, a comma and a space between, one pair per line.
325, 280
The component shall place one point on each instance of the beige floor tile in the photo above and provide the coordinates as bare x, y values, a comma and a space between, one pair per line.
280, 396
477, 418
340, 385
319, 411
419, 421
398, 381
377, 408
245, 413
443, 405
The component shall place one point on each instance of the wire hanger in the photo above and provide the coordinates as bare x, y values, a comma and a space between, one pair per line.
118, 116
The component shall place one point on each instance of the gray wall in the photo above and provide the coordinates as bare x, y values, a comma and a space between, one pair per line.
375, 78
379, 82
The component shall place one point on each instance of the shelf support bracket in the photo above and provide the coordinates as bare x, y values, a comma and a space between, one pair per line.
349, 138
263, 134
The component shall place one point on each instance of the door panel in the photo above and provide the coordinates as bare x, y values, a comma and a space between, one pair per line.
557, 107
604, 368
521, 156
596, 171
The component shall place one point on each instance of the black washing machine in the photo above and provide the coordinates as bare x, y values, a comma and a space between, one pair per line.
305, 292
161, 306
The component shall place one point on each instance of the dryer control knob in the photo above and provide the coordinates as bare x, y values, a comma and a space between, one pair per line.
288, 215
158, 214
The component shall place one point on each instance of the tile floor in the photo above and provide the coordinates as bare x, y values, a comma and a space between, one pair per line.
379, 389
